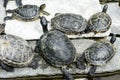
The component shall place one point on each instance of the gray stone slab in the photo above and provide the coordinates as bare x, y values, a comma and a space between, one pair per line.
81, 45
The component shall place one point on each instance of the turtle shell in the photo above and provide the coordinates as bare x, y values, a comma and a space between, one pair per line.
14, 51
27, 12
69, 23
99, 22
57, 49
99, 53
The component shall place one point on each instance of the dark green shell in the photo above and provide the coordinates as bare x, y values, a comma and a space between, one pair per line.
99, 53
27, 12
69, 23
56, 48
99, 23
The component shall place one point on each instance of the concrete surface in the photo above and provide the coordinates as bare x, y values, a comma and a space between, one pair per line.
113, 65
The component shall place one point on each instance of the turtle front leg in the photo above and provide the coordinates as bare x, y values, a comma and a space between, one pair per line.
8, 18
34, 63
66, 74
5, 3
6, 67
113, 39
19, 2
9, 11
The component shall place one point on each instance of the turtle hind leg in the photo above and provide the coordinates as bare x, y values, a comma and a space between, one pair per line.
80, 62
19, 2
5, 3
34, 64
6, 67
8, 18
66, 74
92, 70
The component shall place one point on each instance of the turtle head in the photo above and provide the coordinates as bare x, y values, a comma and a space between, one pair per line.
42, 12
105, 8
42, 7
44, 23
113, 38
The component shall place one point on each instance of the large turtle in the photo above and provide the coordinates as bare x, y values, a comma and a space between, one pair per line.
56, 49
69, 23
97, 54
16, 52
99, 22
27, 12
18, 2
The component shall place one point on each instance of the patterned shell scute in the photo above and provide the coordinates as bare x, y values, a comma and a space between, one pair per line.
99, 22
69, 23
14, 49
99, 53
57, 48
27, 11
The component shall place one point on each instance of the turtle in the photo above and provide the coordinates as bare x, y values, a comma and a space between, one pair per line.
98, 54
99, 22
27, 12
18, 2
15, 52
56, 49
69, 23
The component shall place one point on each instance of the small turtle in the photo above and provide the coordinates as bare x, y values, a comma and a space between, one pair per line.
99, 22
15, 52
69, 23
18, 2
97, 55
27, 12
56, 49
